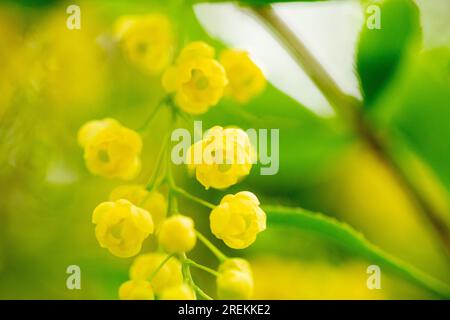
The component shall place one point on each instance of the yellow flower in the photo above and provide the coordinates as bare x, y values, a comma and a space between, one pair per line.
168, 275
121, 227
222, 158
197, 79
146, 41
154, 202
235, 280
177, 234
246, 79
238, 219
136, 290
179, 292
110, 149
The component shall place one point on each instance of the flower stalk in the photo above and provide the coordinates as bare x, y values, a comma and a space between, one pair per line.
202, 267
189, 196
219, 255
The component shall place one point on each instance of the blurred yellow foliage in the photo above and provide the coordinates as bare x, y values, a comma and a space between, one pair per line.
367, 195
68, 66
12, 56
293, 279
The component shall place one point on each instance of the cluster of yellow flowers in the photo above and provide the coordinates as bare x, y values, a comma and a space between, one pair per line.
194, 83
155, 274
199, 81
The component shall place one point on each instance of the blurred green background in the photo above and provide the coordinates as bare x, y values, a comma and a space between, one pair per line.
52, 80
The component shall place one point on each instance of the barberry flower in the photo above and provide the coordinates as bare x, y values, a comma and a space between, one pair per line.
169, 275
197, 79
238, 219
121, 227
179, 292
146, 41
177, 234
235, 280
110, 149
222, 158
246, 79
154, 202
136, 290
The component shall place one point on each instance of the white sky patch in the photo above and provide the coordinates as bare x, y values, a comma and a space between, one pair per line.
329, 29
435, 22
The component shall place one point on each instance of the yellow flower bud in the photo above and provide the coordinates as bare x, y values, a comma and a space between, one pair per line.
235, 280
235, 264
121, 227
146, 41
169, 274
136, 290
179, 292
177, 234
238, 219
234, 284
222, 158
246, 79
110, 149
154, 202
197, 79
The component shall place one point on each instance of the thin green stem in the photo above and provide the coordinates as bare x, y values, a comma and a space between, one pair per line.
222, 257
152, 115
169, 174
186, 271
186, 117
201, 292
173, 203
170, 179
151, 183
160, 266
189, 196
202, 267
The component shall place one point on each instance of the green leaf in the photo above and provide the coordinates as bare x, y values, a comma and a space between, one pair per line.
423, 114
417, 108
354, 241
381, 51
